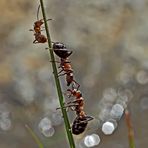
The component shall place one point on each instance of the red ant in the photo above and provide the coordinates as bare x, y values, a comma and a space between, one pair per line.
81, 121
68, 71
61, 50
39, 38
78, 104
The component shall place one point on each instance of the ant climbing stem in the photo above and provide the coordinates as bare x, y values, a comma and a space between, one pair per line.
61, 50
80, 122
65, 65
39, 37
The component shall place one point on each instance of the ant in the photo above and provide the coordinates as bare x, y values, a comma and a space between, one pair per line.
78, 104
79, 124
39, 38
81, 120
61, 51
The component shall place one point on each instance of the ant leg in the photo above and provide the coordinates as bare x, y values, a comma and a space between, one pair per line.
49, 19
89, 118
63, 108
31, 30
67, 94
60, 66
67, 106
35, 41
78, 85
60, 72
67, 62
70, 128
46, 20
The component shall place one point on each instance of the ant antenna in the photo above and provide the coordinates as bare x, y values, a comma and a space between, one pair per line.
38, 12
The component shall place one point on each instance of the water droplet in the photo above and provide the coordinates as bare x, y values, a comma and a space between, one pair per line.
48, 132
124, 77
4, 114
125, 94
56, 119
45, 122
108, 128
142, 77
117, 111
109, 94
45, 127
5, 124
91, 140
122, 103
104, 114
144, 103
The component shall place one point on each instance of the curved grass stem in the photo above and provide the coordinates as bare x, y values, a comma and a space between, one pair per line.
59, 91
34, 136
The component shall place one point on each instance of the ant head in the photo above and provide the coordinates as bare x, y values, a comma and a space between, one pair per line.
38, 23
61, 50
58, 45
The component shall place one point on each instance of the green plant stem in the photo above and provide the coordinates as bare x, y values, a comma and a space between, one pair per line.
36, 139
61, 99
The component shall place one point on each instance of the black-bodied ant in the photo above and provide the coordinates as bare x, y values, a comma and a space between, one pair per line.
61, 51
80, 122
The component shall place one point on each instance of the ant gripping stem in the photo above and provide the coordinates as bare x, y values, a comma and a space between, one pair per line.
39, 22
39, 38
78, 104
61, 51
68, 71
80, 122
79, 107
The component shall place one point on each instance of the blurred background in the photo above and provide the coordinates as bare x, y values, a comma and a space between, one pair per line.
109, 39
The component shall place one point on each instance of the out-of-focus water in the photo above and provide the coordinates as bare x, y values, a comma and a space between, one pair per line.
110, 61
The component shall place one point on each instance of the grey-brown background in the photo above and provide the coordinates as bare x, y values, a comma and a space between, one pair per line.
109, 39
